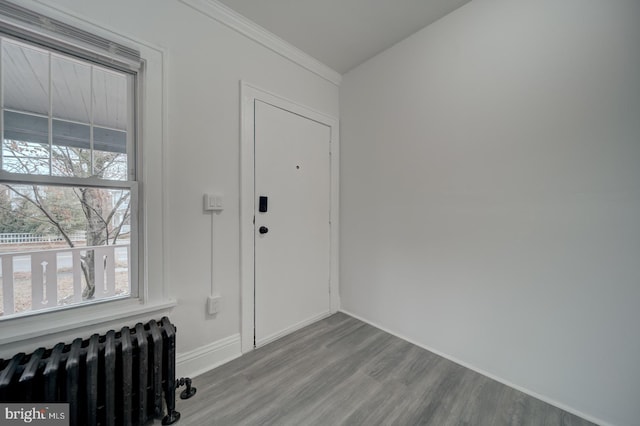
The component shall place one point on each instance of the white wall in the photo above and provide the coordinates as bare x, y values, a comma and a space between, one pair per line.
490, 196
205, 62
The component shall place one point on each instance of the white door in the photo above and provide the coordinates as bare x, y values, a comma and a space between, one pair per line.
292, 237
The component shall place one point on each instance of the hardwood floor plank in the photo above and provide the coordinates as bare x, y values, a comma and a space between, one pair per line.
341, 371
377, 408
483, 404
387, 365
433, 400
333, 407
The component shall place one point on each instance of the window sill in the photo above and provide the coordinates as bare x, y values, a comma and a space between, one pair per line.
23, 328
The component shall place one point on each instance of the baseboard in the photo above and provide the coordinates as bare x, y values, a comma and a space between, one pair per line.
484, 373
208, 357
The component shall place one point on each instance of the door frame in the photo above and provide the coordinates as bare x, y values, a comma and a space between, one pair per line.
248, 95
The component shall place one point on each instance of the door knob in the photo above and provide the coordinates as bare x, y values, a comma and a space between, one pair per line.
263, 230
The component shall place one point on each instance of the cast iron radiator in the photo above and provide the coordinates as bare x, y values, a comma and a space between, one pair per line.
115, 379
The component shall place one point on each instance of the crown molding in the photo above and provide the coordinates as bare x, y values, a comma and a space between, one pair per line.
232, 19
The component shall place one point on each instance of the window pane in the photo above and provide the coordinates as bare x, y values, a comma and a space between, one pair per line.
110, 115
76, 252
25, 78
71, 84
25, 146
71, 150
110, 156
109, 99
110, 165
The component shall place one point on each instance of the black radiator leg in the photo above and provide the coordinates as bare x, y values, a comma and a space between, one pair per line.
171, 418
169, 333
173, 415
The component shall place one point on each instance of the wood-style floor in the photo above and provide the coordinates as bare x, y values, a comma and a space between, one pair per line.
341, 371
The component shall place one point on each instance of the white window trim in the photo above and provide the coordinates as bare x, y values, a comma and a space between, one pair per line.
154, 293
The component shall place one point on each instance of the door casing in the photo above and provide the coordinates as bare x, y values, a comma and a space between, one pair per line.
248, 95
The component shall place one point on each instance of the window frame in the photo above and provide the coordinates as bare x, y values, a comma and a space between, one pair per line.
150, 204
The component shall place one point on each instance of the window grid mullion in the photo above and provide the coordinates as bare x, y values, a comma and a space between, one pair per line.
30, 179
91, 165
50, 123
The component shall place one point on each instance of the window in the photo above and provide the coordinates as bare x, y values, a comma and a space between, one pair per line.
68, 175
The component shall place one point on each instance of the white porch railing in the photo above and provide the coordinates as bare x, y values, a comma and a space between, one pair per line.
45, 266
26, 238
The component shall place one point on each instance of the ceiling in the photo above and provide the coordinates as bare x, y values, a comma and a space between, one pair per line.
343, 33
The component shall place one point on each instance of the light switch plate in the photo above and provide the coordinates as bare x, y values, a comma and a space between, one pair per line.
213, 202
